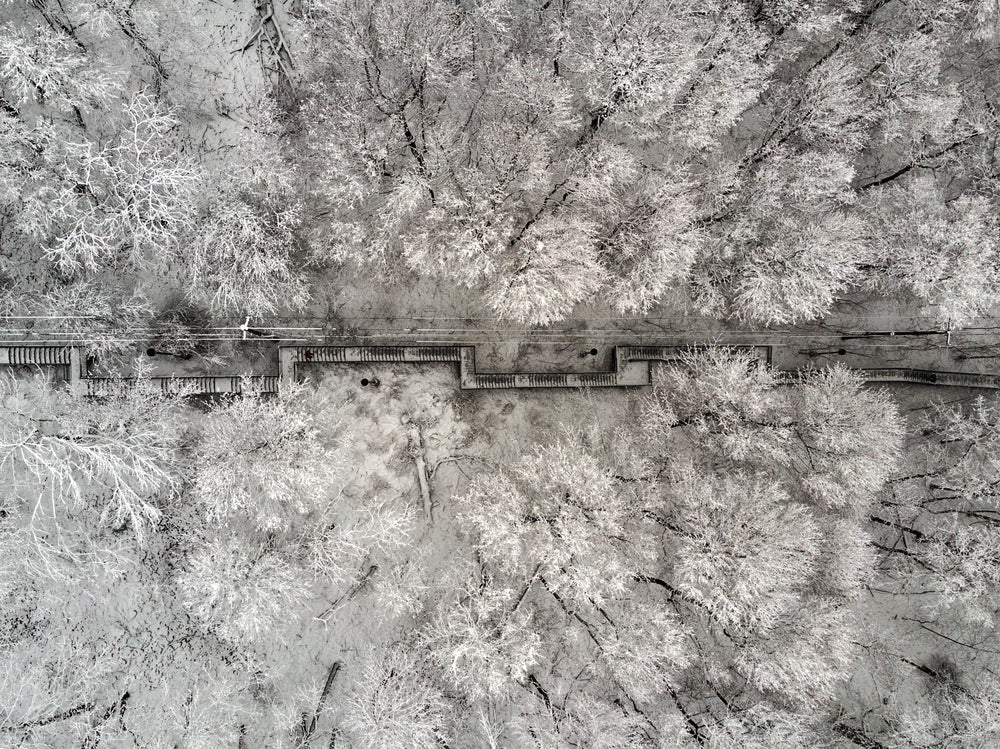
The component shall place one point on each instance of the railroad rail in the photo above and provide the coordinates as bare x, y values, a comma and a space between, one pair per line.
632, 368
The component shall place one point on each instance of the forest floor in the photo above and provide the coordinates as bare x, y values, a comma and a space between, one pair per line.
465, 433
461, 434
899, 626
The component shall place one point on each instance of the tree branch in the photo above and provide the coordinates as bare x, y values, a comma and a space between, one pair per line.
72, 712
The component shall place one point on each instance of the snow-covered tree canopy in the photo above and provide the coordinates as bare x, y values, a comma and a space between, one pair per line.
560, 153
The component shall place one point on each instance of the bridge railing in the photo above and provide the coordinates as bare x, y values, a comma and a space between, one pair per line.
631, 369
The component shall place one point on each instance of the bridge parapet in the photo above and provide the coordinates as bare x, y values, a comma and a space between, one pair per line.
632, 369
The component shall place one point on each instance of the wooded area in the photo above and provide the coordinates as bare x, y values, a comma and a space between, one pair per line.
733, 558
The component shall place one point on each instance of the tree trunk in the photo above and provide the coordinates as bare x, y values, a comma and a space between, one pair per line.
309, 728
857, 737
128, 27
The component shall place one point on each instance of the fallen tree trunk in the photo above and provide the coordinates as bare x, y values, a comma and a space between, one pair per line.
309, 728
417, 446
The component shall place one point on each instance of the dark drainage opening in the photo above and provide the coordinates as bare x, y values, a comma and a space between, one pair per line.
841, 351
593, 352
364, 382
151, 351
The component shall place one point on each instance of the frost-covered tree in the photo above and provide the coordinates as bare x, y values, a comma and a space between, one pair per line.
828, 440
960, 717
804, 660
937, 565
117, 457
160, 44
126, 202
860, 99
111, 156
758, 486
240, 256
96, 191
646, 226
943, 251
391, 704
100, 178
582, 721
94, 647
559, 516
52, 688
945, 504
791, 245
764, 727
849, 438
915, 104
499, 147
42, 66
270, 528
561, 546
669, 576
741, 547
555, 270
264, 459
484, 644
239, 590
